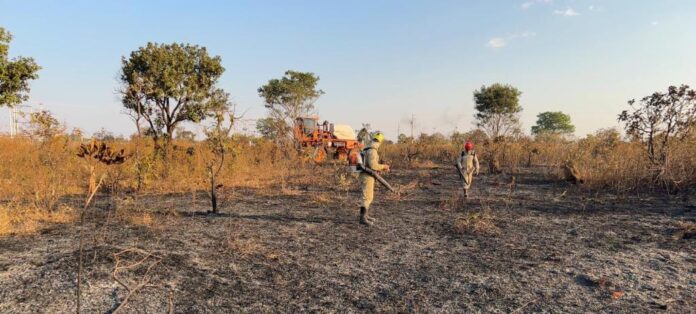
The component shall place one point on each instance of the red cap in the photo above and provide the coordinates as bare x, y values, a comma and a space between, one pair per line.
468, 146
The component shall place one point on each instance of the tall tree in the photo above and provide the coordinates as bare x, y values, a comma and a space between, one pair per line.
658, 119
272, 129
15, 74
553, 122
497, 109
289, 98
166, 84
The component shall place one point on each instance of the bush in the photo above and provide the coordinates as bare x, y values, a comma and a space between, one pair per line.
43, 174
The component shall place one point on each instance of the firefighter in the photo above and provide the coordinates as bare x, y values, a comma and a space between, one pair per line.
370, 160
468, 164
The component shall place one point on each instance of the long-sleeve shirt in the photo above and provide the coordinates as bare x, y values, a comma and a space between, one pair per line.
372, 158
468, 161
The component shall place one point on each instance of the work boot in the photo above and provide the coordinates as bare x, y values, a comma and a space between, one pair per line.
369, 218
363, 217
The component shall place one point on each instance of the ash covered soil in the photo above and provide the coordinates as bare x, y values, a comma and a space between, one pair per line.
546, 247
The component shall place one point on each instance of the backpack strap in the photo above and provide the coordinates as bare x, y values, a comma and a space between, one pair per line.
363, 155
464, 153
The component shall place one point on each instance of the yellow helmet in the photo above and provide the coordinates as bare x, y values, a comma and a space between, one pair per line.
378, 137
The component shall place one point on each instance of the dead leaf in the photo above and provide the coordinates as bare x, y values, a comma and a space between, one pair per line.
602, 283
617, 294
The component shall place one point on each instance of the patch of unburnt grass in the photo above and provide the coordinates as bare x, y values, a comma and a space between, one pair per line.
685, 230
15, 219
479, 222
454, 202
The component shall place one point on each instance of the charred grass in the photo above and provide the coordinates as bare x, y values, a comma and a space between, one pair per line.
296, 246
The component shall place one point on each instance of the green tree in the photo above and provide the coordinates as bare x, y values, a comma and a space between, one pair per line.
185, 135
403, 139
476, 136
166, 84
657, 120
104, 135
15, 74
497, 109
43, 126
602, 143
553, 123
289, 98
272, 129
436, 138
364, 134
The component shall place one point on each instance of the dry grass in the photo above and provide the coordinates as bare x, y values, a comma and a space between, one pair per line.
425, 164
41, 173
40, 176
454, 202
236, 244
15, 220
685, 230
320, 199
290, 192
604, 161
244, 246
476, 222
141, 219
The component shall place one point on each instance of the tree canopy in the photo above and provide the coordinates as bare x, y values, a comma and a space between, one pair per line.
15, 74
659, 118
477, 136
289, 98
497, 109
553, 122
270, 128
43, 125
167, 84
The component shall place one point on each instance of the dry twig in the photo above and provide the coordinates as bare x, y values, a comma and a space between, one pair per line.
143, 282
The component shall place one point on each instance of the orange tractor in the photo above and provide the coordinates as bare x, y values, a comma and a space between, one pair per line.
326, 138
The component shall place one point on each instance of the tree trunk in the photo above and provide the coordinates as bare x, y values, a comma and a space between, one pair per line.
213, 195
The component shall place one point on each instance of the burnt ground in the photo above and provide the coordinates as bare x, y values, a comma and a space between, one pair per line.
547, 247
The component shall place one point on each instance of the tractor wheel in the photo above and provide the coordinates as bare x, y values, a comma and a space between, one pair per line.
342, 155
319, 155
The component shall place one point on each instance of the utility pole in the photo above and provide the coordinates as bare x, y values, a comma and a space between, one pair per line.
15, 113
12, 122
412, 122
14, 128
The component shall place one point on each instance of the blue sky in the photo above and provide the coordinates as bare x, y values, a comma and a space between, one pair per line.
379, 61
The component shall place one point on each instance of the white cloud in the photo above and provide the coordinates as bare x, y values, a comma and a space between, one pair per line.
500, 42
530, 3
566, 12
496, 42
654, 23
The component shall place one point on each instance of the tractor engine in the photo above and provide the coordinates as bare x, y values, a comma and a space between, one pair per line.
326, 139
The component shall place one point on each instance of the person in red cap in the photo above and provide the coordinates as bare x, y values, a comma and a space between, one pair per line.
468, 164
